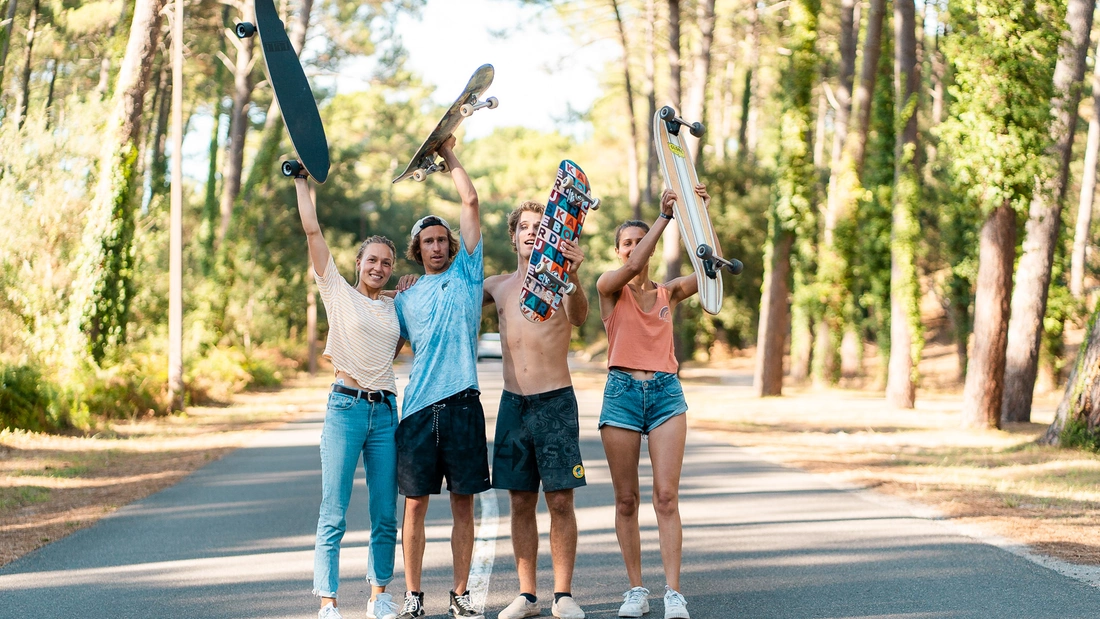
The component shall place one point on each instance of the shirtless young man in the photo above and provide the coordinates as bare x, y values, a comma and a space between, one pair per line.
537, 432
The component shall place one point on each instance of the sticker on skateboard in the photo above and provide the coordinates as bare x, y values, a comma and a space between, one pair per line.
547, 280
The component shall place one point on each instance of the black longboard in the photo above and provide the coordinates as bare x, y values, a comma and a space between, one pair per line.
424, 161
292, 91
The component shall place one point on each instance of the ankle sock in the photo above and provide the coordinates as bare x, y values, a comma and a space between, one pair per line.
562, 594
530, 598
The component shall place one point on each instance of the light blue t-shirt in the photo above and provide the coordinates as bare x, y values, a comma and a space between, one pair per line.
440, 317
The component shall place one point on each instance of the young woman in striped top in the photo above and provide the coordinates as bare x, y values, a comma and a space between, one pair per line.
361, 417
643, 397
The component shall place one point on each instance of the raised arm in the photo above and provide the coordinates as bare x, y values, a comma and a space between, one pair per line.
318, 249
470, 220
683, 287
576, 304
610, 283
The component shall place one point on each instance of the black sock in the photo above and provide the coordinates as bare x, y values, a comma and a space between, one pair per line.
562, 594
530, 598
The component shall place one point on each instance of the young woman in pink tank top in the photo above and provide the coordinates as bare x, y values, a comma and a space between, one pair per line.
643, 397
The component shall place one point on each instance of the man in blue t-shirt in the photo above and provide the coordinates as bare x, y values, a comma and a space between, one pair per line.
442, 429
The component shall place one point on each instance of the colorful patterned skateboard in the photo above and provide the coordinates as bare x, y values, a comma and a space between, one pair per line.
424, 161
695, 227
292, 91
546, 279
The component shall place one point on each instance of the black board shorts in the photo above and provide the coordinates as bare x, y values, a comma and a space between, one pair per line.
538, 438
444, 440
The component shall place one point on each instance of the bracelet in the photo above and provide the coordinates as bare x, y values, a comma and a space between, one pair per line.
663, 216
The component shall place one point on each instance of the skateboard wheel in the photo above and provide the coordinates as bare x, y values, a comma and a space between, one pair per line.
567, 182
420, 176
698, 129
735, 266
443, 167
595, 206
569, 288
493, 103
466, 109
704, 252
244, 30
666, 113
291, 168
540, 268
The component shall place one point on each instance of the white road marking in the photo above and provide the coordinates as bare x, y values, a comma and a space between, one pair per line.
481, 568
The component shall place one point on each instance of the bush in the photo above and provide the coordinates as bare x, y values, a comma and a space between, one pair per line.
24, 398
223, 372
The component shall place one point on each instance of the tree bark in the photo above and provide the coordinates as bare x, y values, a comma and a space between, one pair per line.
670, 248
242, 66
843, 111
651, 101
1029, 299
103, 287
752, 44
50, 90
1081, 401
25, 82
985, 370
175, 268
6, 44
772, 332
872, 50
695, 106
905, 326
1088, 192
633, 191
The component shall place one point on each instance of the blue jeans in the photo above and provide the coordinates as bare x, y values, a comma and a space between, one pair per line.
354, 426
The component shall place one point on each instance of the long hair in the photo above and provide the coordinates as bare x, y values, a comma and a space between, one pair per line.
412, 252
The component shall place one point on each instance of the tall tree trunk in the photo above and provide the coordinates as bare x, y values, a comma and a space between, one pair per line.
872, 49
985, 371
158, 170
633, 191
103, 287
905, 325
241, 67
1081, 402
790, 212
25, 82
1029, 299
1088, 191
695, 105
5, 44
48, 107
670, 249
832, 265
175, 268
650, 93
752, 60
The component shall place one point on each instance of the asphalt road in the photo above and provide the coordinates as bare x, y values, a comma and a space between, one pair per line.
235, 539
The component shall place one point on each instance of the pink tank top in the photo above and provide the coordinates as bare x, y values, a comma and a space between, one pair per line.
638, 340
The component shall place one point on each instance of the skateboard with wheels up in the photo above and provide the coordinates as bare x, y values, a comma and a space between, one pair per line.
546, 280
694, 220
424, 162
292, 92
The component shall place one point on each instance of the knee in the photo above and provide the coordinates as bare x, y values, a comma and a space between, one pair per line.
666, 502
524, 504
416, 507
559, 503
627, 505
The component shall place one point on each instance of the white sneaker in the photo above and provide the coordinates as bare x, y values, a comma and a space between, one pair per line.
566, 608
519, 609
635, 603
328, 611
675, 605
382, 607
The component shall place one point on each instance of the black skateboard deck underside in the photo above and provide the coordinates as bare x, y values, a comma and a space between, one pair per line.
292, 91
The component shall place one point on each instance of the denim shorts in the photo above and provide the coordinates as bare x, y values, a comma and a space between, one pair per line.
641, 405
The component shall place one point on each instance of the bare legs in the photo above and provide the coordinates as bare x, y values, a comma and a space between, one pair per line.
666, 452
462, 539
525, 537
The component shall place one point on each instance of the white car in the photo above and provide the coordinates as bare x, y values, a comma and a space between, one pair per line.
488, 346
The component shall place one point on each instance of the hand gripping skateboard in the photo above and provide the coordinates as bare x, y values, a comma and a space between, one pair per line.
694, 220
546, 280
292, 92
424, 161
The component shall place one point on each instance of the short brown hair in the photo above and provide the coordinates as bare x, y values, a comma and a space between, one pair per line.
412, 252
527, 206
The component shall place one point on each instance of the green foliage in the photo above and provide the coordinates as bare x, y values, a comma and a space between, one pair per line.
1076, 434
24, 398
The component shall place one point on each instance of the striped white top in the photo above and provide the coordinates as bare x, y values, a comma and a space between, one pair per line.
362, 332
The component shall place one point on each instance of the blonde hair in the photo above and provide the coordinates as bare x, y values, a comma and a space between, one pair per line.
381, 240
527, 206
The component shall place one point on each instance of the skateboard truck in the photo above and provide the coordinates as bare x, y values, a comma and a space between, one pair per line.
710, 261
468, 109
577, 195
542, 269
673, 122
428, 165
